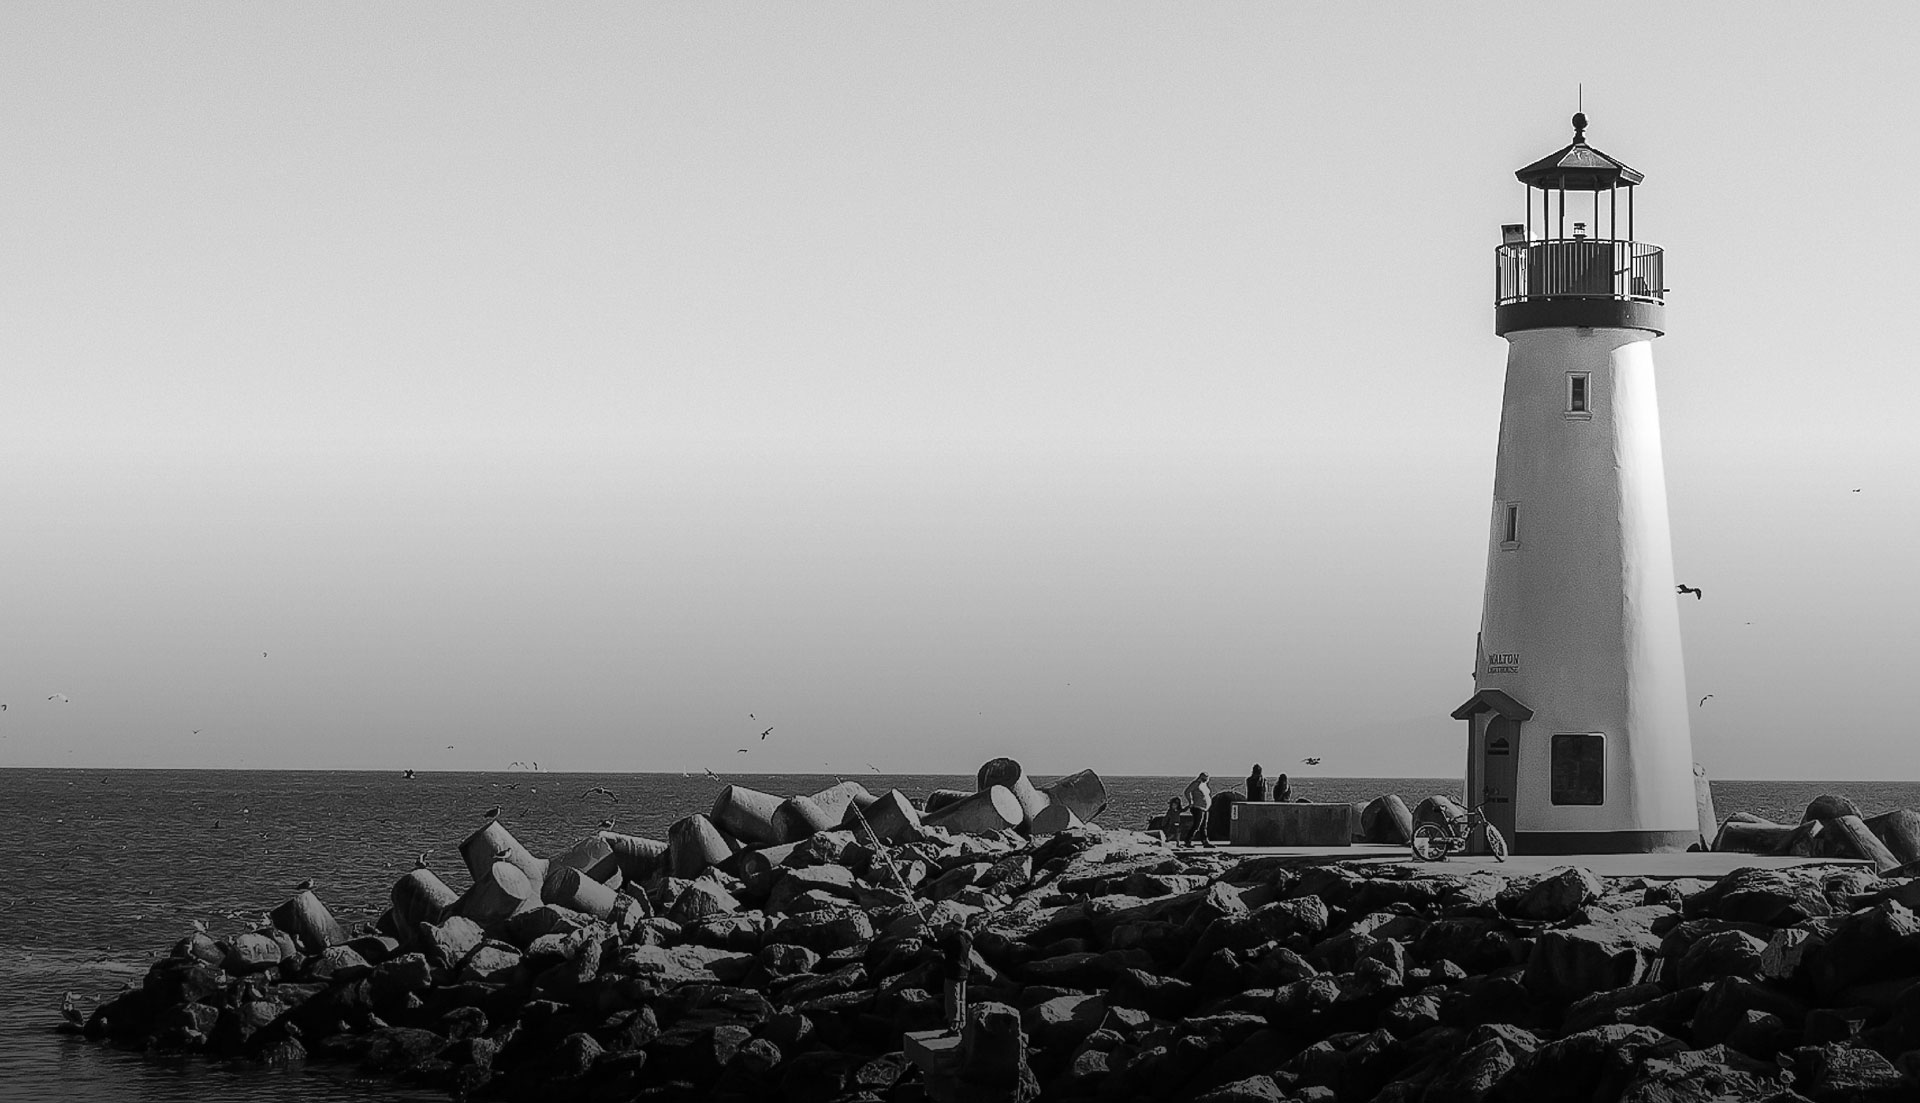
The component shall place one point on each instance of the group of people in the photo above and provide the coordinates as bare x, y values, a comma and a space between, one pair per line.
1199, 801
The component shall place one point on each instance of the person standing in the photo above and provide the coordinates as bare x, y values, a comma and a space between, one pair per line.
1256, 784
1282, 792
1199, 800
956, 962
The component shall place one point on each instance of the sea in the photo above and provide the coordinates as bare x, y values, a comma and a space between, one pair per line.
104, 870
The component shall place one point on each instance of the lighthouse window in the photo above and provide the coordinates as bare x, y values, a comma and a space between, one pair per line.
1510, 526
1577, 769
1577, 393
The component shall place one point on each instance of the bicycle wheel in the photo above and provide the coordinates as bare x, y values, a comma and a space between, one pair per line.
1496, 844
1430, 842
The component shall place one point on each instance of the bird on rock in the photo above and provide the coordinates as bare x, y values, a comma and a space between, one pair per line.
421, 861
606, 824
304, 886
492, 813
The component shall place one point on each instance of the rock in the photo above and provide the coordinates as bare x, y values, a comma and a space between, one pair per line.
1712, 1075
523, 928
1555, 896
1593, 1064
1064, 1021
447, 943
1253, 1089
394, 978
397, 1049
1569, 963
1723, 1009
250, 953
1881, 941
1722, 954
824, 930
835, 881
682, 964
701, 898
993, 1056
1774, 897
1834, 1073
489, 961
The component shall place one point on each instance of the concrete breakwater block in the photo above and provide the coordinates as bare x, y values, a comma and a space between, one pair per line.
799, 817
308, 922
494, 842
1899, 831
1442, 810
567, 887
1856, 841
987, 812
1745, 833
420, 896
693, 844
592, 856
495, 897
1703, 803
637, 858
940, 798
1083, 794
1007, 773
747, 814
1387, 820
1055, 818
835, 800
893, 818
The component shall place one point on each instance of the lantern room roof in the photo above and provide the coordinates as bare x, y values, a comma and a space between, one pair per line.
1579, 167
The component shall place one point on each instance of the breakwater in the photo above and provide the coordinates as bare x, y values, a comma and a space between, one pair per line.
1110, 966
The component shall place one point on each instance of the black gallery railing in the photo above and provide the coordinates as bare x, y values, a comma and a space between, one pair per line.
1594, 268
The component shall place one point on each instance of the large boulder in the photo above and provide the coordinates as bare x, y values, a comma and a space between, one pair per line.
1778, 898
1555, 895
1571, 962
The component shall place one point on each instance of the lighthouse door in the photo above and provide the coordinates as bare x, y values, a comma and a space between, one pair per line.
1498, 771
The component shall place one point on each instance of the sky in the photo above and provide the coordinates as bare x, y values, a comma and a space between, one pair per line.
1103, 385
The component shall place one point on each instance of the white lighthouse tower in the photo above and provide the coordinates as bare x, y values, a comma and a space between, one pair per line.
1578, 738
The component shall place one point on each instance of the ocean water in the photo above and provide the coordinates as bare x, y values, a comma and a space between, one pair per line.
106, 869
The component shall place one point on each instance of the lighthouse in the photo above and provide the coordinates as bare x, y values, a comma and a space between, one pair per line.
1577, 730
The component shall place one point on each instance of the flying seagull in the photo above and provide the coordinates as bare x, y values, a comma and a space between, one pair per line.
601, 789
764, 734
1683, 588
60, 697
742, 750
1311, 761
1703, 700
711, 774
406, 773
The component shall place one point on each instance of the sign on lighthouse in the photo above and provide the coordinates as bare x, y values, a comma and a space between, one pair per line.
1578, 738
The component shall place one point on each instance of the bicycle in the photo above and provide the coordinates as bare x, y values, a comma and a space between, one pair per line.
1436, 842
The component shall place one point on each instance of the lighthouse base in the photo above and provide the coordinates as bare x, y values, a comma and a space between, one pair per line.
1602, 842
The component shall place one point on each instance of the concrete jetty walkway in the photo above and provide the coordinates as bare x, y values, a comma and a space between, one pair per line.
1664, 866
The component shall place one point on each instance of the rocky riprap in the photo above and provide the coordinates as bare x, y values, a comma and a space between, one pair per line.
1106, 967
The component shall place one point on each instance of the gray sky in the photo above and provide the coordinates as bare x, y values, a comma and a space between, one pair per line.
1104, 385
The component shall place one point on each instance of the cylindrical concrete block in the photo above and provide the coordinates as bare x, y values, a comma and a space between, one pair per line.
747, 814
799, 817
419, 897
835, 799
1442, 810
693, 844
1861, 843
503, 890
1899, 832
1008, 773
1055, 818
1806, 841
893, 818
494, 842
1827, 806
1703, 803
307, 920
637, 858
592, 856
570, 888
940, 798
1387, 820
987, 812
1083, 793
1751, 836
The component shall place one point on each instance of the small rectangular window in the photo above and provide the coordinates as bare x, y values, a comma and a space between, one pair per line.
1578, 769
1577, 393
1510, 527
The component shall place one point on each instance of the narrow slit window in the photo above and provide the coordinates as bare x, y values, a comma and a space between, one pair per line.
1510, 527
1577, 393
